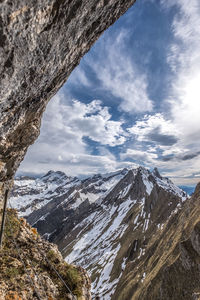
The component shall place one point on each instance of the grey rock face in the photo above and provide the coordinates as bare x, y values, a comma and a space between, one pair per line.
41, 42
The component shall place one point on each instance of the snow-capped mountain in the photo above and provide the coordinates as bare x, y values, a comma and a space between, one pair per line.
30, 194
105, 223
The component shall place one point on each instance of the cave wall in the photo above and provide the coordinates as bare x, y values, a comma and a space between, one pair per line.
41, 42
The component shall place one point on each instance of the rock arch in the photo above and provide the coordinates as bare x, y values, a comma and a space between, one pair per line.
41, 42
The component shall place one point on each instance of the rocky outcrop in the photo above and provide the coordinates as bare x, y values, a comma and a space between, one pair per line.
41, 42
26, 267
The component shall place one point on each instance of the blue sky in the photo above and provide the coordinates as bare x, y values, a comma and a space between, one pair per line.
133, 100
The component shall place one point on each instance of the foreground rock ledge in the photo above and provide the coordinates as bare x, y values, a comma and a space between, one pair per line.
41, 42
25, 255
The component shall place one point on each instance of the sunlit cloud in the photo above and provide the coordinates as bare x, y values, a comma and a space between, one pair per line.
118, 74
155, 129
121, 77
139, 156
61, 144
79, 77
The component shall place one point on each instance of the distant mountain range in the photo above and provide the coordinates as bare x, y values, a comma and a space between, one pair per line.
110, 224
188, 189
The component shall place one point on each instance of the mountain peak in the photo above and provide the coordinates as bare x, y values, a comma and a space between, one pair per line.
54, 173
53, 176
94, 220
156, 173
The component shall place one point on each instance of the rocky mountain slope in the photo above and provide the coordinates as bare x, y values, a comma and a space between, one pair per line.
119, 226
26, 267
169, 268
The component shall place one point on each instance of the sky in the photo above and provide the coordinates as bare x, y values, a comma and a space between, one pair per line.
133, 100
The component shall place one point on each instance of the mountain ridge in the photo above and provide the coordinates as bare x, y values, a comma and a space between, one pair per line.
106, 223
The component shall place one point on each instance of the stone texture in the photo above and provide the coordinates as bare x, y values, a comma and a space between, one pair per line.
26, 263
41, 42
171, 262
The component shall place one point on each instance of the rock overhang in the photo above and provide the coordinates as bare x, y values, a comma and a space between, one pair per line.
41, 42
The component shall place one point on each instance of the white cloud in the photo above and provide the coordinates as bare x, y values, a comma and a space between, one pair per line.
119, 75
61, 144
184, 59
181, 172
140, 156
72, 119
144, 128
79, 77
184, 160
71, 164
182, 121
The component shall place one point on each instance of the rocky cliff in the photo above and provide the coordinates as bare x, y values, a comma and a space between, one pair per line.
41, 42
28, 264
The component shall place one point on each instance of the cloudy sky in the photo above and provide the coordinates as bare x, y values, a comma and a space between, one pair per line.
133, 100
